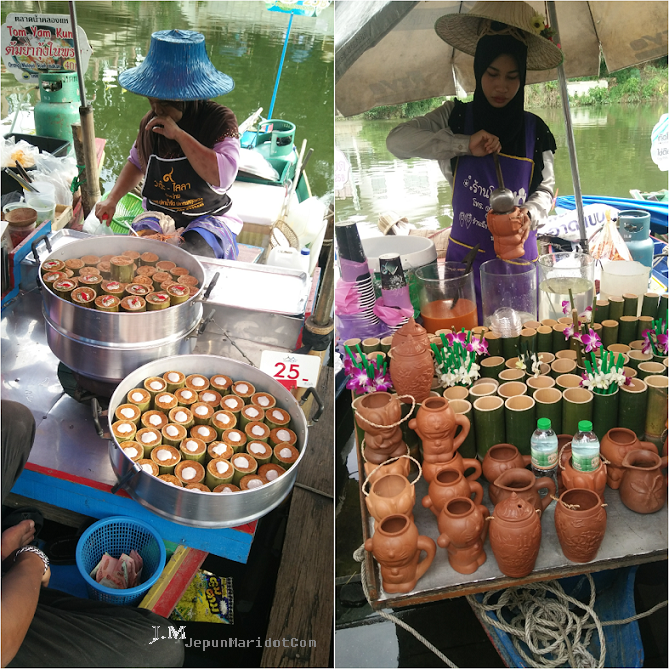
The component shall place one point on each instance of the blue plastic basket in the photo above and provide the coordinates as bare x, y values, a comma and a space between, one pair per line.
116, 535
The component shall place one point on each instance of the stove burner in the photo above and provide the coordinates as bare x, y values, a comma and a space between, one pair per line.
83, 389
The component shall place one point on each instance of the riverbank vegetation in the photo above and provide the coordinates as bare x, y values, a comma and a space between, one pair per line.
634, 85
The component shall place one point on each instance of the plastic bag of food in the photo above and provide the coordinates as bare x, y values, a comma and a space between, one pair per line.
608, 243
207, 599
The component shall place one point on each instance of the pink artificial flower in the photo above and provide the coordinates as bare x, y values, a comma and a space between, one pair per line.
662, 342
358, 381
459, 337
479, 346
628, 380
569, 332
591, 341
647, 347
382, 383
566, 307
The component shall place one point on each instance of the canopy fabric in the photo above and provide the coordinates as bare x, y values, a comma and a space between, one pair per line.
388, 53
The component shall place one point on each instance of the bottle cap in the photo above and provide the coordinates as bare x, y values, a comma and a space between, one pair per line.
584, 426
304, 251
544, 424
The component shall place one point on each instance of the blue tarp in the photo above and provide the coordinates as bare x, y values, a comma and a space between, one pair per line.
658, 210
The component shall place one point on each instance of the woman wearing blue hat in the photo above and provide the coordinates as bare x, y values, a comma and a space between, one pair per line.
187, 148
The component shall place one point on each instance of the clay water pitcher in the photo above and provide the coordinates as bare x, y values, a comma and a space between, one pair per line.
515, 536
523, 483
501, 457
390, 495
447, 484
378, 414
401, 466
572, 478
396, 546
616, 443
580, 522
411, 364
643, 487
435, 424
462, 531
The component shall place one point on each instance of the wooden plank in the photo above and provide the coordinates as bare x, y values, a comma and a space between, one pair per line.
49, 511
300, 624
176, 577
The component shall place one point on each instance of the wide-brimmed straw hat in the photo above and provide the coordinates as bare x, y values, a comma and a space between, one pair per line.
176, 68
523, 22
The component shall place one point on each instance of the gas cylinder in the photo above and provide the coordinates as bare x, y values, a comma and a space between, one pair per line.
634, 227
58, 107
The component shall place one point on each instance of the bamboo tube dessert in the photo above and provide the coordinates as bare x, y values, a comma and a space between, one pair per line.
221, 383
124, 430
159, 278
236, 439
258, 431
146, 270
157, 301
189, 471
277, 417
202, 413
105, 269
181, 416
219, 449
173, 434
122, 268
178, 294
193, 448
218, 471
204, 432
185, 397
198, 487
68, 272
74, 264
88, 271
52, 266
149, 466
140, 397
193, 290
226, 488
197, 382
164, 402
113, 288
64, 287
133, 450
222, 421
270, 471
166, 457
282, 435
149, 438
264, 401
243, 464
84, 297
138, 289
178, 272
144, 280
109, 303
165, 265
260, 450
148, 258
155, 385
133, 304
285, 455
250, 414
129, 412
251, 481
170, 478
93, 282
243, 390
232, 403
154, 419
210, 397
189, 281
174, 380
50, 278
133, 255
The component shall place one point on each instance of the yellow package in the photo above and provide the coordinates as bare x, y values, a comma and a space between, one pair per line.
208, 599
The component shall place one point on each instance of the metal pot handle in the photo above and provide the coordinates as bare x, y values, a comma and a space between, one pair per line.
319, 401
34, 244
97, 414
210, 287
135, 469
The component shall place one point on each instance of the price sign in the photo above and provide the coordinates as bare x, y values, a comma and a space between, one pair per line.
290, 369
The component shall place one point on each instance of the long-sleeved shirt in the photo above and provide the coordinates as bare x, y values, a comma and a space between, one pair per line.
430, 137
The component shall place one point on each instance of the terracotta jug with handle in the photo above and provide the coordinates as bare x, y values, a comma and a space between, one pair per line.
463, 528
523, 483
447, 484
501, 457
378, 415
390, 495
616, 443
643, 487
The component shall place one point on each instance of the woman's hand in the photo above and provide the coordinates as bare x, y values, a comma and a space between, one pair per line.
104, 210
482, 143
526, 224
165, 126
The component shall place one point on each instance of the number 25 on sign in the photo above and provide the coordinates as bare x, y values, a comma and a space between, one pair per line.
290, 369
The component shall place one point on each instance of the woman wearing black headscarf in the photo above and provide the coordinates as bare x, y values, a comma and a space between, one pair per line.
505, 40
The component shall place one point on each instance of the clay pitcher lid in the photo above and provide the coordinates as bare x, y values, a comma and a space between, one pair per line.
410, 347
514, 509
410, 330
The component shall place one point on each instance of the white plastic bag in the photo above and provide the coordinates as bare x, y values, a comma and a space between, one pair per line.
93, 226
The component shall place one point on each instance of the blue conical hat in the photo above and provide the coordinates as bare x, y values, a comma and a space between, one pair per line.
176, 68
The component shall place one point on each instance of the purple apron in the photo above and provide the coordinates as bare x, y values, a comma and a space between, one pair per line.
474, 179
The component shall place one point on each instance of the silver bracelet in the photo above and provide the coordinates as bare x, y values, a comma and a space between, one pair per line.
37, 551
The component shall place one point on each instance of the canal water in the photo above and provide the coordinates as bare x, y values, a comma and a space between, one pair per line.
243, 39
612, 147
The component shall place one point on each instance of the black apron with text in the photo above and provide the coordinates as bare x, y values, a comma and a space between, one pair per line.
173, 187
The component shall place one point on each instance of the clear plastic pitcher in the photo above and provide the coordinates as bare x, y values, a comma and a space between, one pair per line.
624, 276
509, 285
560, 273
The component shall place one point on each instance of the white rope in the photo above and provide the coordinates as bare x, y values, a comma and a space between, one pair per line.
554, 632
388, 462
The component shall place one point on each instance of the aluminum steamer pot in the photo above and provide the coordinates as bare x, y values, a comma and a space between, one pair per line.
200, 509
108, 346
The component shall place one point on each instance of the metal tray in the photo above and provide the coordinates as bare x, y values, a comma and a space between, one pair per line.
189, 507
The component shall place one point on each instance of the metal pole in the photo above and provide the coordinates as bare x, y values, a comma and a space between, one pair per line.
552, 14
278, 74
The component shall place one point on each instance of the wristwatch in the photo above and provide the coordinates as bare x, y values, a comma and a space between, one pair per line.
37, 551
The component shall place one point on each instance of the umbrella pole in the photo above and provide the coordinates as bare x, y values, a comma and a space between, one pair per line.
564, 93
90, 191
278, 74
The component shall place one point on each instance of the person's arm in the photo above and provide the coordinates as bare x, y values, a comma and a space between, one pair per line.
540, 202
430, 137
20, 593
227, 156
129, 177
202, 159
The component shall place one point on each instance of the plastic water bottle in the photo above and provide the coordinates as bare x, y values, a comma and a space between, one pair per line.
544, 451
585, 448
